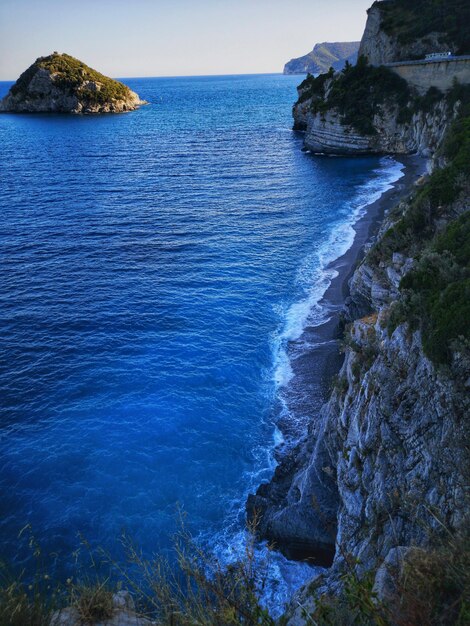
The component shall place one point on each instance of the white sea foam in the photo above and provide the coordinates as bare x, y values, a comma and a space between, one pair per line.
315, 276
281, 577
278, 437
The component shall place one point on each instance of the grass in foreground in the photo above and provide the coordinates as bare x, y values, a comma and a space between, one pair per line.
433, 589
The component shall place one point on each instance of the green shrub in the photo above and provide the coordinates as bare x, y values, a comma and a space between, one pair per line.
361, 90
437, 292
357, 94
314, 87
427, 102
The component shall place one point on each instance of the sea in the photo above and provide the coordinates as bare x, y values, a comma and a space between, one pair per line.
155, 266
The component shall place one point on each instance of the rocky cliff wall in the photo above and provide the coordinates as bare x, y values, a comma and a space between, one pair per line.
394, 430
380, 46
420, 134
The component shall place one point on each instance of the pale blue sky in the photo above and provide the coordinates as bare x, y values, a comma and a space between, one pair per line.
173, 37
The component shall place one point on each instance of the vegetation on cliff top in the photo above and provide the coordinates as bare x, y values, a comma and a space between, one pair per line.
409, 21
357, 93
436, 293
72, 76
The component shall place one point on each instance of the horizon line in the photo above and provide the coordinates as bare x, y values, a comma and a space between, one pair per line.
120, 78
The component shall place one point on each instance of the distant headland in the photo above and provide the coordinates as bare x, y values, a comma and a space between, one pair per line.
59, 83
322, 57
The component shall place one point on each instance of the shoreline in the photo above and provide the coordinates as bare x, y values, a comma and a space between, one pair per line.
314, 357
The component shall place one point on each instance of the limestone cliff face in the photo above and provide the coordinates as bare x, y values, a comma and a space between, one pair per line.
376, 45
327, 133
394, 429
61, 84
380, 46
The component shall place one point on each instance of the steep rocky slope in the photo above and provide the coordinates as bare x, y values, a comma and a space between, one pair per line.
391, 444
380, 481
59, 83
396, 426
399, 30
322, 57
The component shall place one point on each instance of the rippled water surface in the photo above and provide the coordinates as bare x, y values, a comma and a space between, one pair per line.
152, 265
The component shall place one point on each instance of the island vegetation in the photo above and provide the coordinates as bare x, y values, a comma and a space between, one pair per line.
61, 83
71, 74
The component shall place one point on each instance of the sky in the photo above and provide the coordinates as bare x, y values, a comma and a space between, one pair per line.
129, 38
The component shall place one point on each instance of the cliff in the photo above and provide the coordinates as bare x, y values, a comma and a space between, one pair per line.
322, 57
390, 447
377, 490
372, 110
399, 109
396, 426
399, 30
60, 83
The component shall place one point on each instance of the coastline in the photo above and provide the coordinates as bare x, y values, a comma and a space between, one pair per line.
315, 359
314, 356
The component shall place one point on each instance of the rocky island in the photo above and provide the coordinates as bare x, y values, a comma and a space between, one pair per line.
59, 83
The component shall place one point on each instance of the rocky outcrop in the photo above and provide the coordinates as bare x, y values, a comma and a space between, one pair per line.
421, 135
327, 133
382, 43
322, 57
297, 510
61, 84
395, 431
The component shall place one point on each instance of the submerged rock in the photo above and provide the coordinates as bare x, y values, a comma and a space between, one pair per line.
59, 83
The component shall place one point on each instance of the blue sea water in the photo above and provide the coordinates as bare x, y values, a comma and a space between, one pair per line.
154, 266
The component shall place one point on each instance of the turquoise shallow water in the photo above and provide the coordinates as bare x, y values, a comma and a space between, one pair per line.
153, 267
